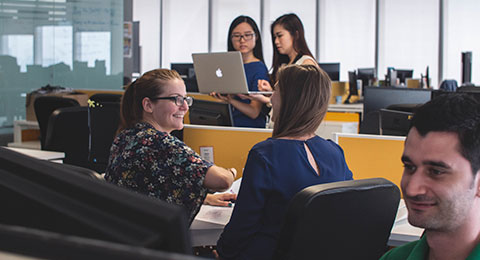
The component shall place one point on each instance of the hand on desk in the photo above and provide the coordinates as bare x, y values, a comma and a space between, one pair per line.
220, 199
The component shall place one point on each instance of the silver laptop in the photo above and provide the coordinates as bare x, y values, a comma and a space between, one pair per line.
221, 72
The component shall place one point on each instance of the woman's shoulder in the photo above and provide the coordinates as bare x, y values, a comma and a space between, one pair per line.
305, 58
143, 134
325, 145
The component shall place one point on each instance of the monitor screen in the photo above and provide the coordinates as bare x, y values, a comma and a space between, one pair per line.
332, 69
402, 75
376, 98
39, 244
204, 112
48, 196
394, 122
367, 75
466, 67
187, 73
103, 121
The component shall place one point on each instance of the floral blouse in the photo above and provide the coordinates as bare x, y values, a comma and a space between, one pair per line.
159, 165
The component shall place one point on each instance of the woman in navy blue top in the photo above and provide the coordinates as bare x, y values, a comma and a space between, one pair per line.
279, 167
244, 36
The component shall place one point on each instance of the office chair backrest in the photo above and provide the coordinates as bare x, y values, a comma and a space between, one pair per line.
340, 220
67, 132
44, 106
103, 121
106, 97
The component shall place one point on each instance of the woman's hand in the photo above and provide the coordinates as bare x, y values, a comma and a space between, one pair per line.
227, 98
257, 97
220, 199
264, 85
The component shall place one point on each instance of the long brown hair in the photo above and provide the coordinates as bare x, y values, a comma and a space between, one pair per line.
304, 95
150, 85
294, 26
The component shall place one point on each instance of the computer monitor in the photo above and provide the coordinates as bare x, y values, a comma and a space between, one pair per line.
352, 86
466, 67
187, 73
376, 98
47, 196
332, 69
204, 112
402, 75
25, 243
367, 75
394, 122
103, 121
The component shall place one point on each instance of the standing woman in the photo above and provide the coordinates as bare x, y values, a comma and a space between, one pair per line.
244, 36
145, 158
279, 167
289, 46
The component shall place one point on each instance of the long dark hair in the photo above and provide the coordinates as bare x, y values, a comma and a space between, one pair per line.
257, 50
304, 95
294, 26
150, 85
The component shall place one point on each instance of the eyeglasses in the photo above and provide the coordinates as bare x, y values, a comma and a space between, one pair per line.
179, 100
246, 37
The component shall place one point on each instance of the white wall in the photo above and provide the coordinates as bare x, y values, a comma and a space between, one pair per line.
147, 12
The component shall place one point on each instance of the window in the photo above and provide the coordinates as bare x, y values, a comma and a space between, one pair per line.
306, 11
223, 13
347, 34
19, 46
185, 30
461, 34
408, 37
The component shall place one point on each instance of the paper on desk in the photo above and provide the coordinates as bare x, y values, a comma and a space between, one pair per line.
402, 212
216, 214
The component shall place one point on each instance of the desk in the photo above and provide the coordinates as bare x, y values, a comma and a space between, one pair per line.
205, 233
39, 154
18, 127
349, 108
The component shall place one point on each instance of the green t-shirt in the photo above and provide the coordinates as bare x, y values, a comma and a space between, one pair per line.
418, 250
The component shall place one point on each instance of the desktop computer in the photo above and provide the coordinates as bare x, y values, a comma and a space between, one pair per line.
466, 67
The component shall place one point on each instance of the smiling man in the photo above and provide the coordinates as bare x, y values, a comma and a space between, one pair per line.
441, 180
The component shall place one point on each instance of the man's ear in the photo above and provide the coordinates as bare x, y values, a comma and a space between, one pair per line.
147, 105
477, 182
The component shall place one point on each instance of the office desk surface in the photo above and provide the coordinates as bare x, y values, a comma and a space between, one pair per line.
39, 154
352, 108
205, 233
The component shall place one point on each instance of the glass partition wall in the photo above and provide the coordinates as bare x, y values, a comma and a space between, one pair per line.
72, 44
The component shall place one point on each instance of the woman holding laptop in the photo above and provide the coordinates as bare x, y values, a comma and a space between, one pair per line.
147, 159
244, 36
279, 167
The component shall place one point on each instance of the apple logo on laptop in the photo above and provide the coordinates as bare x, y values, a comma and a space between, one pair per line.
219, 73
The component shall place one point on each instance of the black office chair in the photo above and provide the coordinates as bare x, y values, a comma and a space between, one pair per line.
68, 132
340, 220
103, 121
106, 97
44, 106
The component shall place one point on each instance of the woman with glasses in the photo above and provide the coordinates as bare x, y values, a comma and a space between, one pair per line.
147, 159
244, 36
